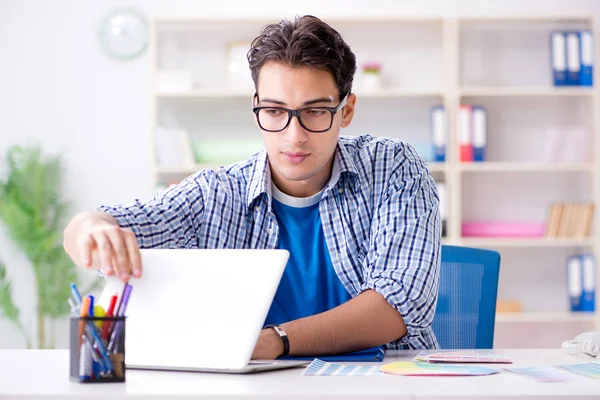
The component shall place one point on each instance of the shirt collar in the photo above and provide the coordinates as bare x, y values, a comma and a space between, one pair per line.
260, 176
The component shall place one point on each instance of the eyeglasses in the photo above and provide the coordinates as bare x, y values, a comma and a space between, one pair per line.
313, 119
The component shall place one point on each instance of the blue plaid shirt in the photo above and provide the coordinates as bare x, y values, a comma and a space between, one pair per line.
380, 215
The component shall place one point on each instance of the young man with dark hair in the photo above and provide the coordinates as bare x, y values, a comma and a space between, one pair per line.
359, 215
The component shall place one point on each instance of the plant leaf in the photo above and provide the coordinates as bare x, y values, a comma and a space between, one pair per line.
7, 306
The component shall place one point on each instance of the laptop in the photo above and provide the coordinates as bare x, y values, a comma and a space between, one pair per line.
200, 310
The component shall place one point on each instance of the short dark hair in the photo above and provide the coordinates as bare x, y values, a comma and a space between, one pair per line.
306, 41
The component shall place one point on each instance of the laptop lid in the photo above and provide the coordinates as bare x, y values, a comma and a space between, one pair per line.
199, 309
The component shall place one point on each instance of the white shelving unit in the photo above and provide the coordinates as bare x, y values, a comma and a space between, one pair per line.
502, 64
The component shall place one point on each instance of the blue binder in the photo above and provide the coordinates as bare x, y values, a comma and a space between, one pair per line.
574, 282
586, 53
479, 134
573, 58
558, 57
438, 133
374, 354
588, 293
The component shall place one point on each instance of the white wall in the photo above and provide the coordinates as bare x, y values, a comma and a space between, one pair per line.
59, 90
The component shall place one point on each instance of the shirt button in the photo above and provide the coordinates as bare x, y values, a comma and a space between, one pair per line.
340, 190
270, 231
257, 208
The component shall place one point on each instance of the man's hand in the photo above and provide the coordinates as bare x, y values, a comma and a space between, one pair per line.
95, 240
269, 345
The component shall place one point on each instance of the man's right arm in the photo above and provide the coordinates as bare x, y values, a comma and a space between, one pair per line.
95, 240
110, 238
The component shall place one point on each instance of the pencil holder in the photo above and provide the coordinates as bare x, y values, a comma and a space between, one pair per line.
97, 349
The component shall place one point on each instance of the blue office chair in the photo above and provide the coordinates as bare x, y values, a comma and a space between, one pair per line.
466, 307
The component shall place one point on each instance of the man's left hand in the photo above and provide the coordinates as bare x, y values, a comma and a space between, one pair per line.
269, 346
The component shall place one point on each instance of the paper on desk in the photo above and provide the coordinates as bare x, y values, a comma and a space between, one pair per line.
321, 368
409, 368
545, 374
462, 356
589, 369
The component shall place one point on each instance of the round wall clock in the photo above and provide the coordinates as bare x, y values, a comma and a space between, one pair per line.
123, 34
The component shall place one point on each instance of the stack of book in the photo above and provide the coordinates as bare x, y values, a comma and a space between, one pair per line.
174, 148
570, 220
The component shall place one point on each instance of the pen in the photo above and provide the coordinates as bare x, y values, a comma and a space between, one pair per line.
114, 337
85, 349
76, 294
73, 306
109, 313
91, 306
91, 329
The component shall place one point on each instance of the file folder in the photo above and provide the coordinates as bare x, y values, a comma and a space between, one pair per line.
588, 294
479, 133
574, 282
439, 133
558, 55
573, 59
374, 354
465, 143
587, 58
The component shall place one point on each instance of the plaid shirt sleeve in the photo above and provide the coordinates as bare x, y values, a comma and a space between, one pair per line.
169, 220
404, 257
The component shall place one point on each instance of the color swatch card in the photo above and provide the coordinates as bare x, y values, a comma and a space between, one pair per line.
462, 356
408, 368
321, 368
590, 369
545, 374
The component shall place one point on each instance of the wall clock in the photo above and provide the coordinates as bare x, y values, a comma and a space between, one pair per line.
123, 34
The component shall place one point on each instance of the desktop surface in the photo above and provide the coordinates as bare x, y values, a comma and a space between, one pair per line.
36, 374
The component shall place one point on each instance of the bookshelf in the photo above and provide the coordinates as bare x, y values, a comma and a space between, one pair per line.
429, 62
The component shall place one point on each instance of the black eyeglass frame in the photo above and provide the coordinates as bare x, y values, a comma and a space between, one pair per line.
296, 113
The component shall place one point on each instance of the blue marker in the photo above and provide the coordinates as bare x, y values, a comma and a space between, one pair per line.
91, 309
91, 328
76, 294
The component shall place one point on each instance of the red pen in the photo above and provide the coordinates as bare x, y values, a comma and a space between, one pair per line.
109, 313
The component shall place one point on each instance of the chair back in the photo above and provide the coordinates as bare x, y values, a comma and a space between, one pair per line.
466, 306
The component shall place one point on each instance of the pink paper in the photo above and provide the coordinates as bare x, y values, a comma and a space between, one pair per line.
502, 229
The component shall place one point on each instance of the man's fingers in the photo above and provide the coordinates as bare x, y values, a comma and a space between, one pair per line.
133, 250
85, 250
105, 252
117, 239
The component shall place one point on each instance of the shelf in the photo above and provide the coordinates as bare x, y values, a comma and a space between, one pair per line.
527, 18
398, 93
206, 94
228, 93
436, 166
525, 242
545, 317
490, 166
482, 91
179, 171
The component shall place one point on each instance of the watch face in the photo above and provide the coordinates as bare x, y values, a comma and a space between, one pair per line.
279, 330
123, 34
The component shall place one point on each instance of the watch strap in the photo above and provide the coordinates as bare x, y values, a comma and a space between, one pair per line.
284, 338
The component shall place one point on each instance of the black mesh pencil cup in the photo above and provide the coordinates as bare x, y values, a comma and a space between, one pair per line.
97, 349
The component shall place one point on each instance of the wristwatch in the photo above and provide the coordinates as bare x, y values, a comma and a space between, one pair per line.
284, 337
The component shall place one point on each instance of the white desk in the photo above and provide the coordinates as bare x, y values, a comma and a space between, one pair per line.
33, 374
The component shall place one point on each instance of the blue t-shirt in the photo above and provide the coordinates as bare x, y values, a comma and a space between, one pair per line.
309, 284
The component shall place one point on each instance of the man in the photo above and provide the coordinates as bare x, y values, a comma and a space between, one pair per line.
359, 215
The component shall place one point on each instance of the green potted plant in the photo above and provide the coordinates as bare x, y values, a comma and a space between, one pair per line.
33, 215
